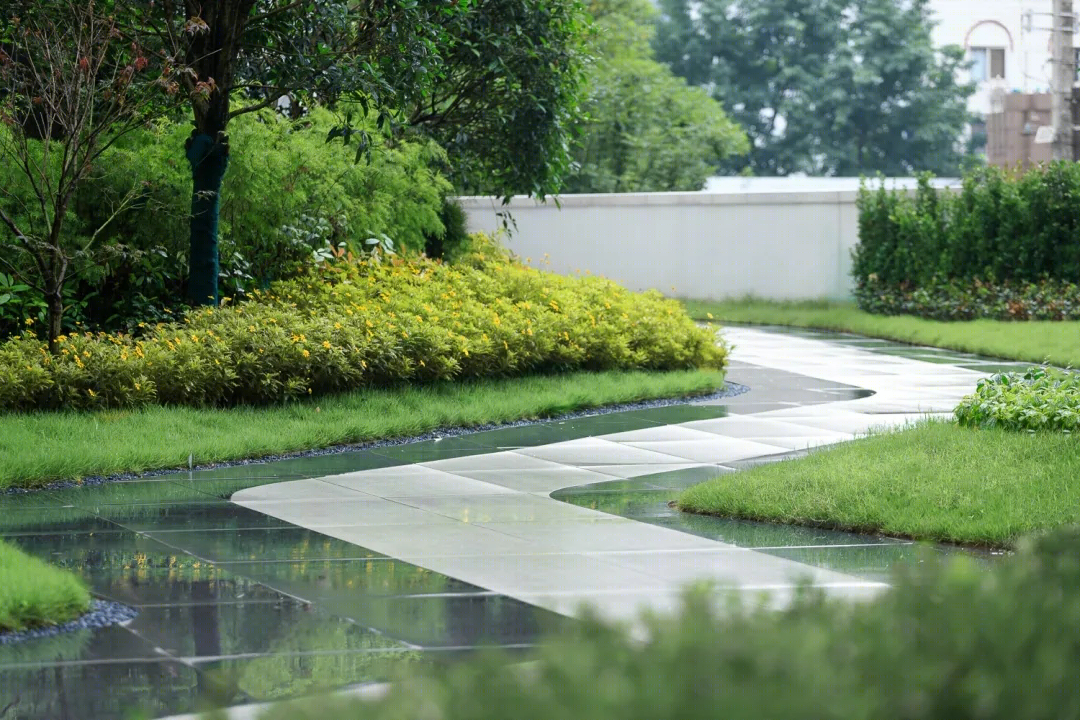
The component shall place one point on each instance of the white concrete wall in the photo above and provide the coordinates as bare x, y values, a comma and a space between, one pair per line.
775, 245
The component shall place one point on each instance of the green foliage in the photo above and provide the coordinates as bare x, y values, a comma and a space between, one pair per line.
505, 103
951, 300
825, 87
359, 323
34, 594
1039, 399
950, 641
455, 240
1011, 241
287, 193
643, 129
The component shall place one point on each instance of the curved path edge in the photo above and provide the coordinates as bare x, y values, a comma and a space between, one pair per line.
488, 519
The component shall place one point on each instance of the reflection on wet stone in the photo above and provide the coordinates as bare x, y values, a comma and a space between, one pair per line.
246, 607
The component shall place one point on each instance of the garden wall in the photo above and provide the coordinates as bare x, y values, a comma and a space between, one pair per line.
774, 245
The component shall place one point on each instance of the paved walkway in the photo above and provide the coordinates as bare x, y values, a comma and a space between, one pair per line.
227, 587
488, 519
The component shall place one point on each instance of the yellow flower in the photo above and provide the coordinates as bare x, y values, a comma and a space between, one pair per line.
194, 338
29, 321
326, 344
251, 328
337, 326
307, 354
138, 386
709, 315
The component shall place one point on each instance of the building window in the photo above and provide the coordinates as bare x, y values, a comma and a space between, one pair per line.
986, 63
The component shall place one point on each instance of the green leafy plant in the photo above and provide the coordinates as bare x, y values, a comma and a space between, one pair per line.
287, 194
363, 320
999, 247
972, 300
1039, 399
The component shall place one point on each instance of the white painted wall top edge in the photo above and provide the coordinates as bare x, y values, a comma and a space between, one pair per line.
661, 200
768, 195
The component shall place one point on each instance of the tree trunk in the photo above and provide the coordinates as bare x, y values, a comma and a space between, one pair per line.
208, 157
212, 54
55, 318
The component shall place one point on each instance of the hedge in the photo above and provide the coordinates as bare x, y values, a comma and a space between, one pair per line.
1004, 233
359, 322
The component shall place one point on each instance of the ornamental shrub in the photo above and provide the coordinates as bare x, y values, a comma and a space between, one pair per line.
973, 300
362, 321
998, 231
287, 193
1039, 399
955, 640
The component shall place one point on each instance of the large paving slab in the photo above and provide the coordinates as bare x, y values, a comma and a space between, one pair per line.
487, 520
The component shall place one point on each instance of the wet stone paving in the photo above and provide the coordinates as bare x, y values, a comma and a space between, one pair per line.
268, 581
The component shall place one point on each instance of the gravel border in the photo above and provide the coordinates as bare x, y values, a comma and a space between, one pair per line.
102, 614
730, 390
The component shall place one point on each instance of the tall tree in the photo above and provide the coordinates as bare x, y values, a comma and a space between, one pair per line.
643, 128
892, 103
381, 53
824, 86
504, 106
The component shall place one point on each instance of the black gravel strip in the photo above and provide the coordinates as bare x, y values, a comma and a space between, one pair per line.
730, 390
102, 614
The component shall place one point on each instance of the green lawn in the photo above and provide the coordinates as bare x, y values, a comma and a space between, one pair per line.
42, 447
1039, 341
936, 481
33, 594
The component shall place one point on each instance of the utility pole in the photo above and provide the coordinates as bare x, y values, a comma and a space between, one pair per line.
1064, 77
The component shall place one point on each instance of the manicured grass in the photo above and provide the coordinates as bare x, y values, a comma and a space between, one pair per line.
1037, 341
33, 593
42, 447
935, 481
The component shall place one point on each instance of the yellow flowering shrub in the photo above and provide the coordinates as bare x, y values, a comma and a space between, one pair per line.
362, 323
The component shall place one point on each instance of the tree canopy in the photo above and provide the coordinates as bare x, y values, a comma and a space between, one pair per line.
505, 100
643, 128
825, 87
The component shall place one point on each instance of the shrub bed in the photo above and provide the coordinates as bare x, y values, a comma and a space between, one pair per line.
362, 322
287, 193
1001, 247
974, 300
1040, 399
949, 641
